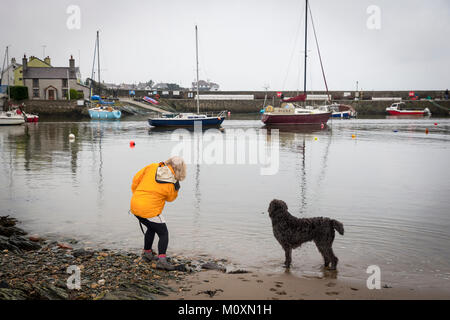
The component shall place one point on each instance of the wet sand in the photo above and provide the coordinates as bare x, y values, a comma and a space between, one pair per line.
216, 285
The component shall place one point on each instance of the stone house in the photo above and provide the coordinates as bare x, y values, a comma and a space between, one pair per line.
52, 83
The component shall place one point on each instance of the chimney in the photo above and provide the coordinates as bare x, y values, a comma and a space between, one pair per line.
24, 63
47, 60
72, 62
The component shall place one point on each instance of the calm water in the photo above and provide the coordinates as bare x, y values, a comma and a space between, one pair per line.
390, 189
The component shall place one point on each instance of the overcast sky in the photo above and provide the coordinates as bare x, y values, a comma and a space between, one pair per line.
243, 44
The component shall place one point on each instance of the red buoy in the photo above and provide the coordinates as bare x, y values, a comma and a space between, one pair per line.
132, 144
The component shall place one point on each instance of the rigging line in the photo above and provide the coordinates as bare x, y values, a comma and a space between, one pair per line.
93, 63
318, 51
293, 49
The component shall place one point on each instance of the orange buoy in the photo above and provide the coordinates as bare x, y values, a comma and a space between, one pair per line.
353, 136
426, 131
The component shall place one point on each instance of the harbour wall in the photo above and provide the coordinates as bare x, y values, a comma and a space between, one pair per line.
54, 108
363, 107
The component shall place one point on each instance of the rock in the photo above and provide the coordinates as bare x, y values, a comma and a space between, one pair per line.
10, 231
82, 253
94, 286
12, 294
101, 282
4, 284
64, 246
213, 266
181, 267
6, 221
238, 271
34, 238
50, 292
23, 243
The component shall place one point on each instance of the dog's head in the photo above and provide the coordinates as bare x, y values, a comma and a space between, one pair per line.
277, 207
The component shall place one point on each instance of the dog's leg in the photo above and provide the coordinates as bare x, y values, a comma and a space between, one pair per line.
332, 257
323, 251
288, 255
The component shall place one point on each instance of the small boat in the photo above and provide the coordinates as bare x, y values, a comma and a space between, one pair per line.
187, 120
13, 117
103, 110
398, 109
104, 113
31, 117
342, 111
291, 114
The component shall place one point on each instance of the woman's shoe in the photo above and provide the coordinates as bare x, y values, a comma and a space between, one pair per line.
149, 256
163, 264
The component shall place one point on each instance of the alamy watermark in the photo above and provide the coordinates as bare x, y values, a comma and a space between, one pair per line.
231, 146
74, 280
374, 280
374, 19
73, 21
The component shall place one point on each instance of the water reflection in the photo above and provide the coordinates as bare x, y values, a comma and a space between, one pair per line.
82, 190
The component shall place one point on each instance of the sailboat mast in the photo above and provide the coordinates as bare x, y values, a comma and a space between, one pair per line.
196, 56
98, 57
7, 72
306, 45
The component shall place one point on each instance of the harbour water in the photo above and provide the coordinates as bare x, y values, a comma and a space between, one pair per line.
389, 185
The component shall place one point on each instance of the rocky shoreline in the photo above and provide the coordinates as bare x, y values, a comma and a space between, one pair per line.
36, 268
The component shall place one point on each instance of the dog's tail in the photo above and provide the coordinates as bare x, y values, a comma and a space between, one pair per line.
338, 226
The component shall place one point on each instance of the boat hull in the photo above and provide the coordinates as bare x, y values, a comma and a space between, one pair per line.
344, 115
173, 122
296, 118
406, 112
105, 115
10, 122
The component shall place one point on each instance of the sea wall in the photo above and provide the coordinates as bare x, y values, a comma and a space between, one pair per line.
363, 107
54, 108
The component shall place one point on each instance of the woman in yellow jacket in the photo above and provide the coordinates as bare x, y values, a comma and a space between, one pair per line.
152, 187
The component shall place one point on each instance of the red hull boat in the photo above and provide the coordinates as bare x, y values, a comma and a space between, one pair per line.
398, 109
309, 118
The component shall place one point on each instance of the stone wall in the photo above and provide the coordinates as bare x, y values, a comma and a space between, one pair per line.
363, 107
336, 95
47, 107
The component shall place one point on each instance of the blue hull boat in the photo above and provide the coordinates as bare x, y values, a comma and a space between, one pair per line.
104, 114
344, 115
185, 122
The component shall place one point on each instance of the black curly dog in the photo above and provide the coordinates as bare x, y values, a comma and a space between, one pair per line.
292, 232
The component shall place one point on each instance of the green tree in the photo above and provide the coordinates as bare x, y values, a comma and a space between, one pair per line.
73, 94
18, 92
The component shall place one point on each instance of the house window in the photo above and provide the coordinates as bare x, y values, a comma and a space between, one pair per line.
64, 83
64, 93
35, 93
35, 83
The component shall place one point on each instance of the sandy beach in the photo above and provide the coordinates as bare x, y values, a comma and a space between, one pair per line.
212, 284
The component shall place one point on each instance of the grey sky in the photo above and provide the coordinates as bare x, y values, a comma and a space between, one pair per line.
244, 44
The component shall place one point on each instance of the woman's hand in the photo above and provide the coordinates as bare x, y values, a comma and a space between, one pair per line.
177, 186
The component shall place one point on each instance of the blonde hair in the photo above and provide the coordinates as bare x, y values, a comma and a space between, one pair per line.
178, 166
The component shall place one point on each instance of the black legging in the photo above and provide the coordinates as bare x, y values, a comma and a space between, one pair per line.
160, 229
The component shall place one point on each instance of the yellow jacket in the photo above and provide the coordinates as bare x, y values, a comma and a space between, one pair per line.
150, 196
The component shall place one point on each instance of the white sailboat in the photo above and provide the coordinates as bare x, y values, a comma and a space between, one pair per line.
10, 117
189, 119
